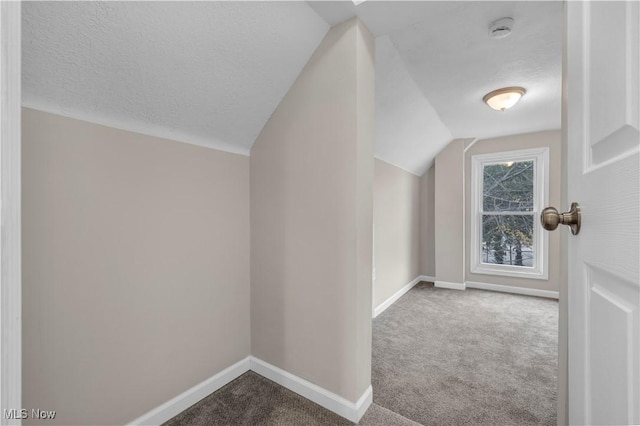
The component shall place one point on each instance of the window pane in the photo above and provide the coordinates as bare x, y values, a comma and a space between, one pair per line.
507, 240
508, 186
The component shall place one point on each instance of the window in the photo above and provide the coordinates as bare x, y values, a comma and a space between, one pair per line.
508, 191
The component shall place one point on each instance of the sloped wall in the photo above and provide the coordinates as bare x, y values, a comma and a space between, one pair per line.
311, 220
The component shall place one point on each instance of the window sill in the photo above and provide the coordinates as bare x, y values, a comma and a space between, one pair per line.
507, 271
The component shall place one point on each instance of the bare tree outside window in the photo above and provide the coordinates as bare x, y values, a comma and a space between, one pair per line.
507, 216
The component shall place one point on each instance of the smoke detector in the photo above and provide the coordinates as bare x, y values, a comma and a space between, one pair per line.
501, 28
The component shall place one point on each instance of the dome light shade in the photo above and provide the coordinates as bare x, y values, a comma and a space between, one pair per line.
504, 98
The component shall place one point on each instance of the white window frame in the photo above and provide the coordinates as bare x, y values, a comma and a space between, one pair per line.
540, 269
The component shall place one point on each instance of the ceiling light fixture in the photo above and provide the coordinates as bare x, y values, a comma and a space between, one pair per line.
504, 98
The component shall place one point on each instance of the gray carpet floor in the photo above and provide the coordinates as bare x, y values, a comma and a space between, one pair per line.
440, 357
253, 400
449, 357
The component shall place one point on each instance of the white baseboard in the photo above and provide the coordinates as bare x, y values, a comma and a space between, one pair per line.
352, 411
189, 397
397, 295
363, 403
452, 286
515, 290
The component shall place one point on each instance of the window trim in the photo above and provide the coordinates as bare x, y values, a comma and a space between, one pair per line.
540, 269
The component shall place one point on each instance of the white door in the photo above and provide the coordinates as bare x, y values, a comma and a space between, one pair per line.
603, 163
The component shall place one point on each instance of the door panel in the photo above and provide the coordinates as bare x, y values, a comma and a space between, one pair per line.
611, 30
613, 313
603, 164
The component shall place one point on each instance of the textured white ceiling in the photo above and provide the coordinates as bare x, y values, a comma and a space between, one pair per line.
451, 63
455, 63
408, 128
209, 73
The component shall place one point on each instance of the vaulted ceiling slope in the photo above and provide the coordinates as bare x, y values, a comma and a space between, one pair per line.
211, 73
208, 73
442, 50
409, 132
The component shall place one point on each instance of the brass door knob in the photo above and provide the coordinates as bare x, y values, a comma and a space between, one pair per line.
550, 218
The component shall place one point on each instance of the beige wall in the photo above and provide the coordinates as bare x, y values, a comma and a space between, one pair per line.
135, 268
311, 220
549, 139
396, 218
449, 213
427, 222
365, 118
